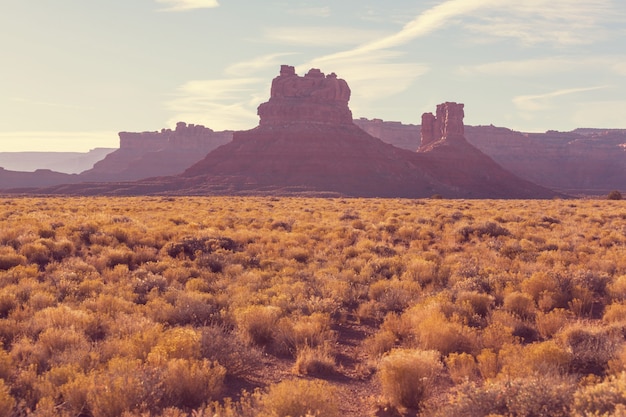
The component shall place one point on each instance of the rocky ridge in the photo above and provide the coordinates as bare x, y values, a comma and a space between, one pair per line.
306, 143
583, 161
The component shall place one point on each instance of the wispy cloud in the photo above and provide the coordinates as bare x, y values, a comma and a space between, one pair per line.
45, 103
531, 21
619, 68
253, 66
423, 24
311, 11
183, 5
56, 141
320, 36
548, 65
539, 102
373, 76
559, 22
606, 114
218, 104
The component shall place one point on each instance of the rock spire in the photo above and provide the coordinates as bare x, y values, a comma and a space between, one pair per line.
447, 124
313, 98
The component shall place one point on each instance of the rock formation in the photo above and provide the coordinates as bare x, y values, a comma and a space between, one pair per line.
306, 143
580, 162
149, 154
405, 136
446, 125
62, 162
314, 98
39, 178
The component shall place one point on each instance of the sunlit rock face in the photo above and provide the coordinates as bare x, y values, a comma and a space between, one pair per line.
307, 144
152, 154
447, 124
306, 141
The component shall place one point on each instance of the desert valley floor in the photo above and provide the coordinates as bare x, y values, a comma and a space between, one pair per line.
233, 306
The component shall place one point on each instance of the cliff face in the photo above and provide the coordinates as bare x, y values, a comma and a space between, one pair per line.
62, 162
38, 178
313, 98
306, 141
404, 136
584, 161
148, 154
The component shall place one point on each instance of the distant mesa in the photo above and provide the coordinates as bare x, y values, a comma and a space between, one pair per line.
314, 98
580, 162
447, 124
151, 154
306, 143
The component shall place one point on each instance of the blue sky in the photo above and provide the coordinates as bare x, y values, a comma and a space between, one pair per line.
75, 72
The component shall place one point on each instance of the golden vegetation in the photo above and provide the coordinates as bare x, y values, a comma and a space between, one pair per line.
311, 307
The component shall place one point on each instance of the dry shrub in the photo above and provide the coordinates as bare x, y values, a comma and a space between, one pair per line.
194, 308
58, 346
8, 302
379, 343
617, 288
615, 313
435, 331
176, 343
112, 257
462, 367
603, 399
10, 259
488, 365
230, 351
190, 383
592, 347
121, 387
298, 332
317, 361
499, 332
61, 317
520, 304
257, 324
37, 253
489, 229
549, 324
409, 376
6, 364
548, 290
475, 302
300, 398
536, 358
7, 402
394, 295
421, 271
531, 396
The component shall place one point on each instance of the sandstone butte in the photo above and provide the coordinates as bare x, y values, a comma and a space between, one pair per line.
580, 162
306, 143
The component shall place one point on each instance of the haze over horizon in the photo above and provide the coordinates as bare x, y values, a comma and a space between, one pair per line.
75, 73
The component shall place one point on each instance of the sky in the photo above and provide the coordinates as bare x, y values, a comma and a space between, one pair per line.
73, 73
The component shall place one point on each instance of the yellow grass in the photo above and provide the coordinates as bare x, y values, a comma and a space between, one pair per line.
155, 305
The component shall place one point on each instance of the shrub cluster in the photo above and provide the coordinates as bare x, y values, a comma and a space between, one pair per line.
166, 306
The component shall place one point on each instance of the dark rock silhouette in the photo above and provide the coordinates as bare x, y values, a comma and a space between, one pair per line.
302, 149
38, 178
62, 162
307, 144
446, 125
149, 154
583, 161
